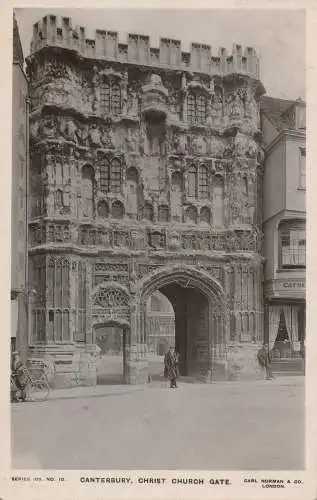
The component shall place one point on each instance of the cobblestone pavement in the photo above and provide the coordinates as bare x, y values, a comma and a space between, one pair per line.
221, 426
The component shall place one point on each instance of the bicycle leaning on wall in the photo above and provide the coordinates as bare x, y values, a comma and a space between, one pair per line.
29, 383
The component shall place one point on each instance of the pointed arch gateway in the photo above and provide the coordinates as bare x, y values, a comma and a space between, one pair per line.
201, 318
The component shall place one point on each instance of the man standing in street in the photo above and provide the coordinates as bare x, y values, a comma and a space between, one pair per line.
170, 367
264, 359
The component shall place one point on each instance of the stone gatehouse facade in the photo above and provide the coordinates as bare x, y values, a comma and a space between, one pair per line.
145, 175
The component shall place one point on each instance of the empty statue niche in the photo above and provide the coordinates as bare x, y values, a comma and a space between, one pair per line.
156, 135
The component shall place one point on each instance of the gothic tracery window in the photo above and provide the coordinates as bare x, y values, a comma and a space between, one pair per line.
111, 298
115, 176
105, 98
191, 108
192, 182
116, 99
104, 177
203, 187
81, 303
196, 108
110, 98
201, 109
58, 299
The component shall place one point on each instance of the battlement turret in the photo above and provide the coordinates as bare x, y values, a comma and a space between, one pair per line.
58, 32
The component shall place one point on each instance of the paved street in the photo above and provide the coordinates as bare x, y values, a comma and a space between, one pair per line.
228, 425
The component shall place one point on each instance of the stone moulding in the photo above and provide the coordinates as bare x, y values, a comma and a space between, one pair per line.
182, 274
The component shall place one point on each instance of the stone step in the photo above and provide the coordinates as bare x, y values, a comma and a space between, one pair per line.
288, 366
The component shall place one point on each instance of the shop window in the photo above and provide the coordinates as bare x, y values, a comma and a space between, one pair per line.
292, 244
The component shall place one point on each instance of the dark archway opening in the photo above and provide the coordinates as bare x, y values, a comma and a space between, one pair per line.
111, 342
192, 330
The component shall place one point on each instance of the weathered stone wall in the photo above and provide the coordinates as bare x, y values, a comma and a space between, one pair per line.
135, 170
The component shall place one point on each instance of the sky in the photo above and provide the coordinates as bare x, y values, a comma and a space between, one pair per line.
277, 35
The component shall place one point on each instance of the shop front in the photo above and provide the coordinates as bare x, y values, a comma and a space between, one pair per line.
285, 323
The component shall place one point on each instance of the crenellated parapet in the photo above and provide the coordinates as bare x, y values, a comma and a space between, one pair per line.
58, 32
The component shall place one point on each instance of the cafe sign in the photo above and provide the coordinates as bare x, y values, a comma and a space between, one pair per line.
292, 285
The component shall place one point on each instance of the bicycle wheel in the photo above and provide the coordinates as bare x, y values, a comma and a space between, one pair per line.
38, 391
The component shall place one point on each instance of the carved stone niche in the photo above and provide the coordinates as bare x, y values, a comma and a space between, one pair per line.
198, 145
136, 240
49, 126
217, 241
37, 235
245, 146
120, 238
94, 135
157, 240
179, 144
174, 241
68, 128
215, 111
234, 108
215, 146
58, 232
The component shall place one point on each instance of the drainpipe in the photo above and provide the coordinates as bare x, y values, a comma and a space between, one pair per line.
26, 271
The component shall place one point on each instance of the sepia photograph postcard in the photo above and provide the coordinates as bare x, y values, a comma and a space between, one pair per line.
157, 209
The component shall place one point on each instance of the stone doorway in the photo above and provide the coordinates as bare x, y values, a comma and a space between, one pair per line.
110, 339
201, 321
192, 328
